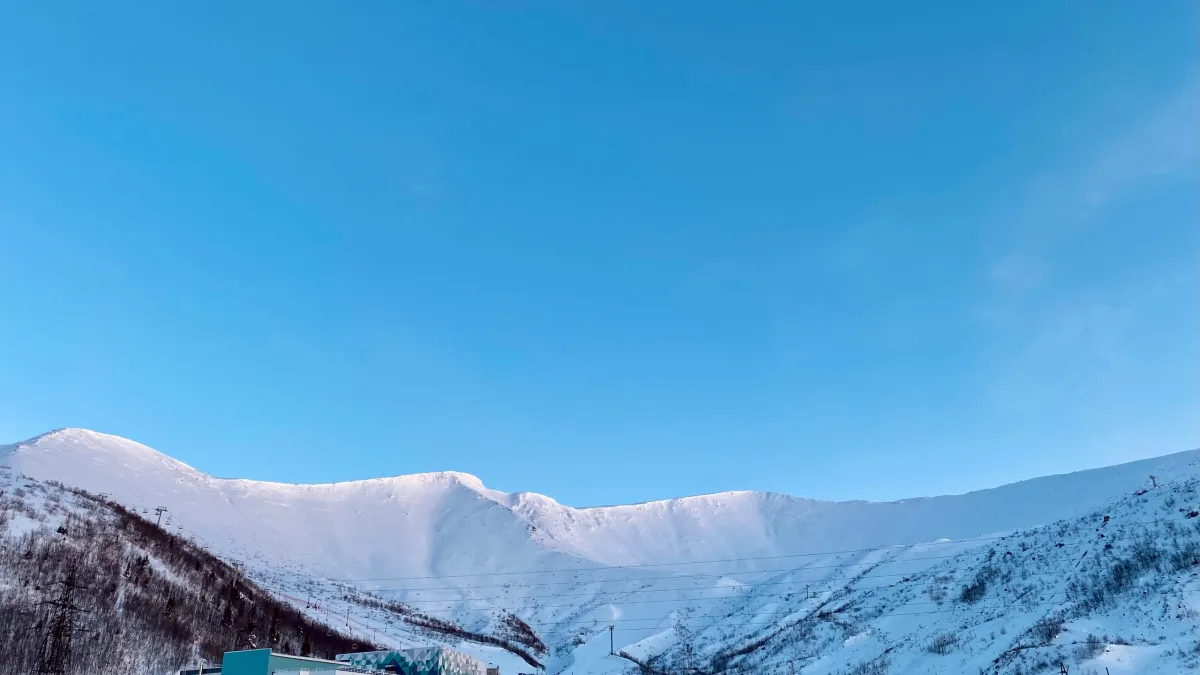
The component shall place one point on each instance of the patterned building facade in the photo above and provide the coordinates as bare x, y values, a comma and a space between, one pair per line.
420, 661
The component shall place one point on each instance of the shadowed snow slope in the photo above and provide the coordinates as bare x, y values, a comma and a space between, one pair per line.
449, 523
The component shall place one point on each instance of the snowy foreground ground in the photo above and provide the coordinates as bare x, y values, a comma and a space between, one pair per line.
1095, 570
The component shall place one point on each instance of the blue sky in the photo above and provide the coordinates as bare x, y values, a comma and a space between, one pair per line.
608, 251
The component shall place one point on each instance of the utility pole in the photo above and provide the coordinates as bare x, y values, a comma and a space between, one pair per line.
792, 666
54, 652
199, 658
158, 511
612, 650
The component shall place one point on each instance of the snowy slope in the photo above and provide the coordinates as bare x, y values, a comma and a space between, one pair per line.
355, 524
407, 525
144, 602
447, 545
1118, 588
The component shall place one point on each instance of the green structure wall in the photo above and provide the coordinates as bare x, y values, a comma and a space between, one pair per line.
283, 662
250, 662
264, 662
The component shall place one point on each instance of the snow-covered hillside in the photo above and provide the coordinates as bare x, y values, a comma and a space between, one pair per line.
449, 523
88, 588
686, 582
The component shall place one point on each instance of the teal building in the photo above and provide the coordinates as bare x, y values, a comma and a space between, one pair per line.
422, 661
266, 662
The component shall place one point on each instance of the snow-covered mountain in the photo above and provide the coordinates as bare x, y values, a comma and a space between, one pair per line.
440, 524
112, 594
445, 544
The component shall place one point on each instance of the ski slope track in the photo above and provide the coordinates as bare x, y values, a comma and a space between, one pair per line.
730, 582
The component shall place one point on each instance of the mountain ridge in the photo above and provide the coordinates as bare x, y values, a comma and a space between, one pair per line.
475, 482
437, 524
354, 547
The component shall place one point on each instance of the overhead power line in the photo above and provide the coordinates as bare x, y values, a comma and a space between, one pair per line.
698, 576
995, 604
1112, 525
992, 604
623, 625
660, 565
921, 613
622, 603
665, 590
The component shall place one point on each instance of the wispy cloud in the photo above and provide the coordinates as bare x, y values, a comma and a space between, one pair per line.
1054, 339
1016, 273
1164, 142
1060, 201
1080, 348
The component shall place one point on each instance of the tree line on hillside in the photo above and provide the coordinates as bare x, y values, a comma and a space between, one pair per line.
513, 635
94, 588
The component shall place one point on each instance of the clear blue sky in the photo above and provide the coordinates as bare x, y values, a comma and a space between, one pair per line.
607, 251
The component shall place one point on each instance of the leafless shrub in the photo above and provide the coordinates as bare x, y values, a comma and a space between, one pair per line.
1090, 649
878, 666
1045, 630
942, 644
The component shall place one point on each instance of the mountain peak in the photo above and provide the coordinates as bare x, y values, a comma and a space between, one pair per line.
440, 477
92, 448
78, 435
